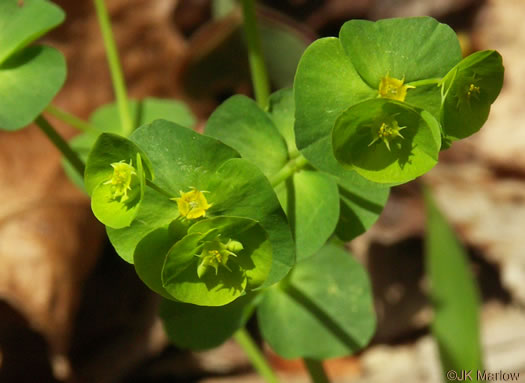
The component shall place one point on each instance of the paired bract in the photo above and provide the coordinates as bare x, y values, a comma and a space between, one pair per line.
222, 232
380, 98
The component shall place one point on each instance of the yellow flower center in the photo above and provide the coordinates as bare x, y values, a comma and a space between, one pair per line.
192, 204
215, 254
472, 89
121, 180
393, 88
387, 132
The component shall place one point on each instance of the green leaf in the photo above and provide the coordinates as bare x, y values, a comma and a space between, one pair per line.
150, 254
328, 298
282, 112
22, 22
282, 45
107, 119
454, 295
412, 49
114, 178
203, 269
361, 203
311, 200
29, 80
326, 84
241, 124
470, 88
409, 147
200, 327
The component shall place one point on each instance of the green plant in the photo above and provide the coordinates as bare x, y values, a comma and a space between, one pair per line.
251, 215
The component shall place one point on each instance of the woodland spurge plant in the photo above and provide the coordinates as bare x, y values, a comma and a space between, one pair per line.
251, 215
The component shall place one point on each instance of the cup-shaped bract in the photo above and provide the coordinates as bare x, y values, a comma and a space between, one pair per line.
217, 261
115, 176
206, 179
469, 90
387, 141
30, 76
398, 59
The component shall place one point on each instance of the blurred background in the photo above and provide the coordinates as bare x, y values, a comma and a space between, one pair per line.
73, 311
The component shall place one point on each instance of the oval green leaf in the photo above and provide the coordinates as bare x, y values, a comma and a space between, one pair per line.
200, 327
24, 21
328, 297
311, 201
29, 80
241, 124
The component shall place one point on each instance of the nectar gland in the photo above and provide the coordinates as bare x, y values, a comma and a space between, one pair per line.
121, 180
387, 132
216, 253
192, 204
392, 88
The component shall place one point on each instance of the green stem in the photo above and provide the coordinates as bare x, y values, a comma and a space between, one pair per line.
255, 355
428, 81
288, 170
157, 188
71, 119
260, 81
119, 85
316, 370
61, 144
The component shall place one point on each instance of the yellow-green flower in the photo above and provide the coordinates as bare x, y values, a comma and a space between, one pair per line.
121, 180
387, 132
215, 253
393, 88
192, 204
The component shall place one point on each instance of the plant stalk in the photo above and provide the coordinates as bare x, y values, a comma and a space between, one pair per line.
61, 144
260, 81
316, 370
255, 355
158, 189
71, 119
115, 68
428, 81
288, 170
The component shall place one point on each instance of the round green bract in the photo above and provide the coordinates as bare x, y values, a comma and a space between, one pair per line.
335, 74
248, 269
183, 159
463, 114
409, 157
